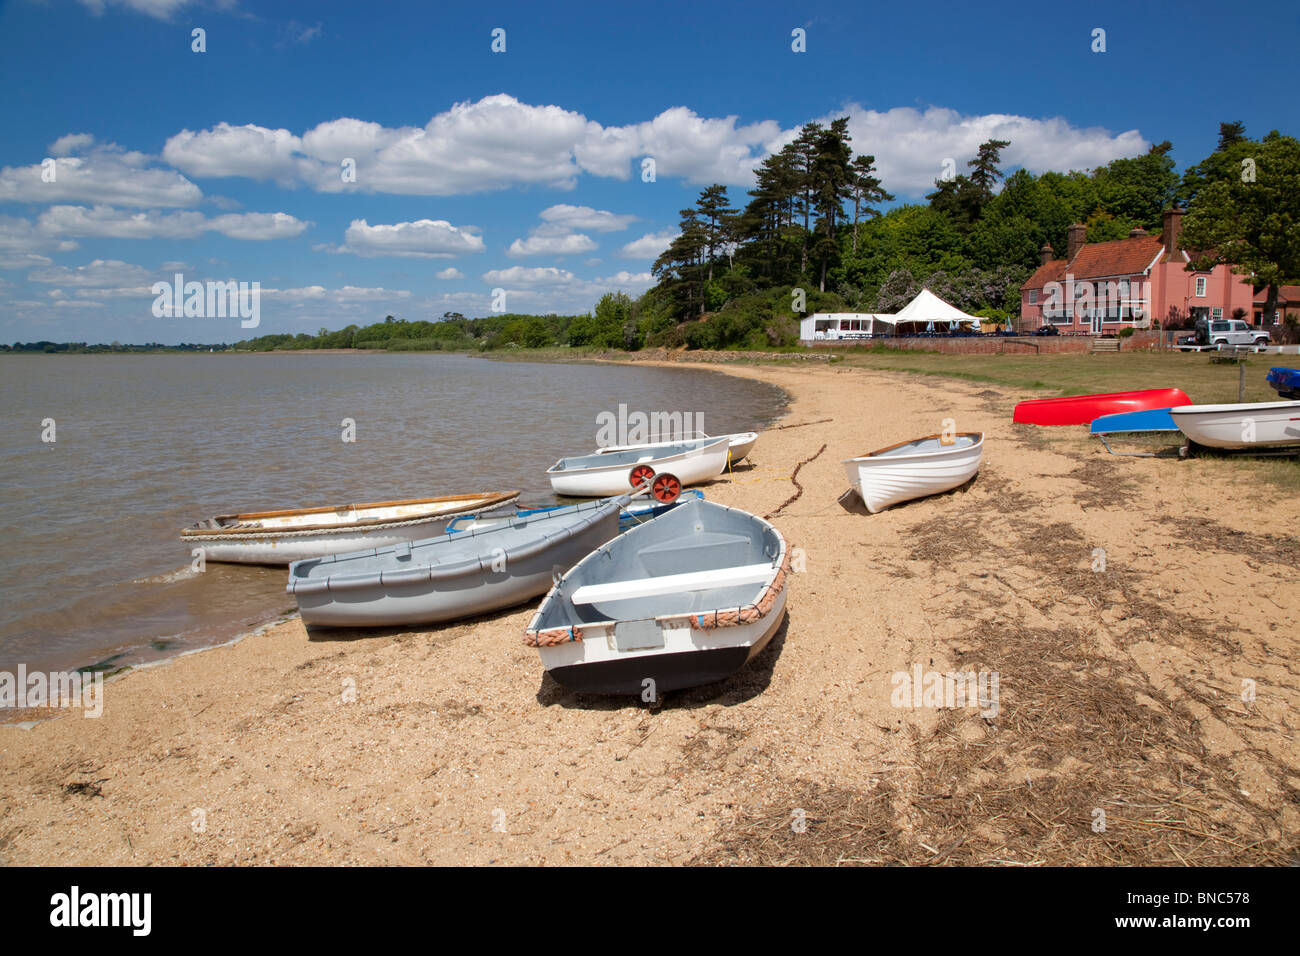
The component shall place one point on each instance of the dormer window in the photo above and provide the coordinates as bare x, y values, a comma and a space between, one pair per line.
1200, 287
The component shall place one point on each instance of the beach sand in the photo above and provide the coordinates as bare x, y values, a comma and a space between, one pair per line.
1125, 731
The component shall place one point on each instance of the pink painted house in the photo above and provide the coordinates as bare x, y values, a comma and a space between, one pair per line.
1102, 287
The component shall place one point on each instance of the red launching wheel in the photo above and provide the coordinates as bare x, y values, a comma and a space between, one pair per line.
666, 488
641, 474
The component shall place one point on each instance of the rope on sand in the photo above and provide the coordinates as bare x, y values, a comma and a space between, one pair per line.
794, 478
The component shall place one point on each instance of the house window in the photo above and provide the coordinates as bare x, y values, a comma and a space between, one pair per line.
1216, 313
1200, 287
1033, 296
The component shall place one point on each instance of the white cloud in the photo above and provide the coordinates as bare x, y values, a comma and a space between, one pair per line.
158, 9
549, 289
22, 260
71, 143
451, 272
528, 275
346, 294
107, 222
106, 174
498, 142
21, 237
103, 273
422, 239
545, 242
584, 217
650, 245
911, 145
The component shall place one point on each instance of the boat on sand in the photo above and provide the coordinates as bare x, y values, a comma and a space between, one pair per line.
915, 469
1240, 426
281, 537
1083, 409
591, 476
684, 600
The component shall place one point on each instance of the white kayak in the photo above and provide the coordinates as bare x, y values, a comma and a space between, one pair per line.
914, 469
740, 444
599, 475
282, 537
1273, 424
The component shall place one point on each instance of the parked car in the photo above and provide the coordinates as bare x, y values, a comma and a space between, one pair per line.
1047, 330
1225, 333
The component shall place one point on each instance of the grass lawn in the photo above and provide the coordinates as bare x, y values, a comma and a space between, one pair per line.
1081, 373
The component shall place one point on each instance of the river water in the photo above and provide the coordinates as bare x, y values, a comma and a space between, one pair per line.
91, 568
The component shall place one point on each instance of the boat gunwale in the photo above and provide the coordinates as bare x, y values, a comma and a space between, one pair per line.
874, 455
481, 501
1231, 408
701, 450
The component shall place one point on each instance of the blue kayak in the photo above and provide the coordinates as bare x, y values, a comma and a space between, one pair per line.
1286, 381
1147, 420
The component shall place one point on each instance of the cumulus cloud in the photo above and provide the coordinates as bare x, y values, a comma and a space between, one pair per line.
100, 273
107, 222
550, 242
451, 272
584, 217
421, 239
345, 294
158, 9
551, 289
21, 237
104, 174
911, 145
650, 245
498, 142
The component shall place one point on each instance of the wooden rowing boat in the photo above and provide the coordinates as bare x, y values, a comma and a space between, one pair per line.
281, 537
593, 476
739, 444
915, 469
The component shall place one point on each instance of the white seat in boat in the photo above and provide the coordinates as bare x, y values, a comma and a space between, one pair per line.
672, 584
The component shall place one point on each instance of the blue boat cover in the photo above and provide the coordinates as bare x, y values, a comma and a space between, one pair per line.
1285, 380
1148, 420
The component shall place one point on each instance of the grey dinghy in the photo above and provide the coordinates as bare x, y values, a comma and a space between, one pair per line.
686, 599
452, 576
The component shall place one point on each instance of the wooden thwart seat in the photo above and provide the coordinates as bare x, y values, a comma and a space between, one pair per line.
672, 584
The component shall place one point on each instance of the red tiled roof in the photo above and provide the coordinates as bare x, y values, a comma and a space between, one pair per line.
1053, 271
1121, 257
1286, 294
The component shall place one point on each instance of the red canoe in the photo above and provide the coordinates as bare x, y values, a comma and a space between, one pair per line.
1082, 409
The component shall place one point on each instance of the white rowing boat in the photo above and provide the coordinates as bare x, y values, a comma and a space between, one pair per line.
915, 469
281, 537
686, 599
740, 444
1252, 424
596, 476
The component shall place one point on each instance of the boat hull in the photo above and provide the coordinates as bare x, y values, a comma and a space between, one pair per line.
1151, 420
883, 480
284, 550
1250, 425
690, 467
1083, 409
483, 575
691, 657
1285, 381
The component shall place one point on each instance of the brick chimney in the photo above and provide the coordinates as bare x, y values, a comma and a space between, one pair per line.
1173, 227
1077, 235
1045, 254
1137, 232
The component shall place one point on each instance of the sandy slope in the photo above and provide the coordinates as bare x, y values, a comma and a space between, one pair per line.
1120, 692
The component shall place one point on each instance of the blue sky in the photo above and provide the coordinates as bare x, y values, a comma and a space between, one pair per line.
521, 170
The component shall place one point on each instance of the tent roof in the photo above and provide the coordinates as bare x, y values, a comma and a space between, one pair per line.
928, 307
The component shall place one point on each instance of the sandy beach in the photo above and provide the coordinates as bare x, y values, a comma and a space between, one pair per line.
1145, 712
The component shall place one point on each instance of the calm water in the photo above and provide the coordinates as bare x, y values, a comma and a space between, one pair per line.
91, 566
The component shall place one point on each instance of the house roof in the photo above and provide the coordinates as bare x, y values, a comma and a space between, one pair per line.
1052, 271
1286, 294
1100, 260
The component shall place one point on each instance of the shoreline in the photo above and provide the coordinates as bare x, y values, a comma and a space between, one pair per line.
448, 726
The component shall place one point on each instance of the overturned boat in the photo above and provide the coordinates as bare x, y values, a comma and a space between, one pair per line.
281, 537
1083, 409
686, 599
638, 511
452, 576
915, 469
592, 476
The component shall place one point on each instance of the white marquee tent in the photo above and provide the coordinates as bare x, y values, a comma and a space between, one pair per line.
926, 309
